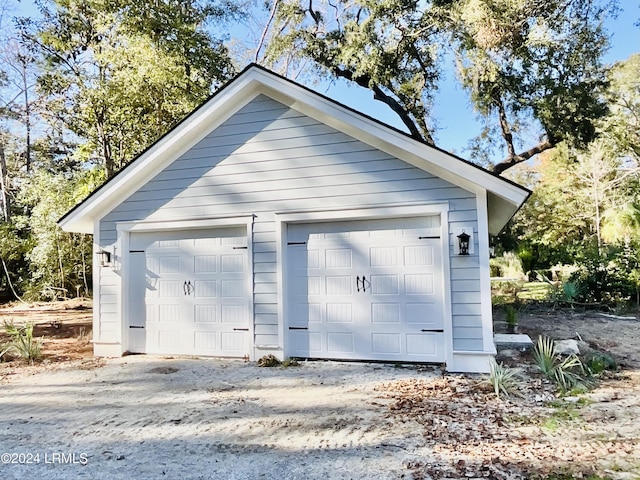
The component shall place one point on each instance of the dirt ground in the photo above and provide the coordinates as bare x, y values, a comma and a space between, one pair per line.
73, 417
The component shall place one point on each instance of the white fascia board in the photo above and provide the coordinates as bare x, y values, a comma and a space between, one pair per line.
422, 156
161, 154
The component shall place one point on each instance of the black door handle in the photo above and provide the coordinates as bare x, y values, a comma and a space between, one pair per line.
364, 285
358, 283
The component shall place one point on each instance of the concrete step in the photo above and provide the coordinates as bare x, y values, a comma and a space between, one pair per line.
512, 341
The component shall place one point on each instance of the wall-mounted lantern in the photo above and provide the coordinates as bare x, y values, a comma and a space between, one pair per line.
104, 257
463, 243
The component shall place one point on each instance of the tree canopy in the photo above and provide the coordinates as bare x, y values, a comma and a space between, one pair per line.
532, 68
118, 74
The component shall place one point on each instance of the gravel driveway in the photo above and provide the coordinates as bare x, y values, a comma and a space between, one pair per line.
143, 417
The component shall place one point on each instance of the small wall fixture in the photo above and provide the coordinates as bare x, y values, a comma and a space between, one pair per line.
463, 243
105, 258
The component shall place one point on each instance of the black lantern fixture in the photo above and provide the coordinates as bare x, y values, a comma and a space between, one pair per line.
463, 243
105, 258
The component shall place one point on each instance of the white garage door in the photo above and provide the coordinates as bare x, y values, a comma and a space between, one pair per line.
366, 290
189, 293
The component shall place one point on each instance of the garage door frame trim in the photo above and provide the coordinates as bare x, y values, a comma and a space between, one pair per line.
424, 210
121, 259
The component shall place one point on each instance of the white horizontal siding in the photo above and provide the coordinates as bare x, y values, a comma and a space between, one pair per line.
268, 158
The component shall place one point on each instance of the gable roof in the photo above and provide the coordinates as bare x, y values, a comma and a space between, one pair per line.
504, 196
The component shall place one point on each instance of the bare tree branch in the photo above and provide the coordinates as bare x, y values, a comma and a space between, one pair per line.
510, 161
379, 94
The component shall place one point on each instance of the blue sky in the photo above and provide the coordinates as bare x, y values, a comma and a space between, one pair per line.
456, 124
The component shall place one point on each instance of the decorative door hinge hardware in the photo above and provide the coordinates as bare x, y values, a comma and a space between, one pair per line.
434, 237
296, 243
298, 328
135, 326
433, 331
240, 248
136, 251
240, 329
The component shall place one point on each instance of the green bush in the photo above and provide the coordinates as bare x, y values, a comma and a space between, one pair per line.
508, 265
597, 363
22, 342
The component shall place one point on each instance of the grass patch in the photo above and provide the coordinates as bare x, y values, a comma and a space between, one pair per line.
535, 291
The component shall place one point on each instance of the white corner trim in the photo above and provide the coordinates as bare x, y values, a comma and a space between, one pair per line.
485, 273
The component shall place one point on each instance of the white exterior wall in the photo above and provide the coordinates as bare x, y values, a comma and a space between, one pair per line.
267, 159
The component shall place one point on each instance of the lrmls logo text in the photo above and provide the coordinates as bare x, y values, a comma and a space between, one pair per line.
66, 458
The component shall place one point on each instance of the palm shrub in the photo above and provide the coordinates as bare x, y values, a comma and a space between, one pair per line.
504, 380
4, 349
23, 343
565, 372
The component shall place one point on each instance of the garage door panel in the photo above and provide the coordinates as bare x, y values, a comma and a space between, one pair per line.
424, 344
233, 343
205, 313
168, 340
340, 343
169, 264
338, 258
195, 297
232, 263
205, 341
169, 289
383, 257
232, 289
339, 313
419, 284
418, 255
375, 288
386, 343
205, 263
388, 284
205, 289
338, 285
428, 315
235, 314
385, 313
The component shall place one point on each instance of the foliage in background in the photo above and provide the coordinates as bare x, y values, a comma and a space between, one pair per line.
508, 265
60, 262
585, 207
119, 74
